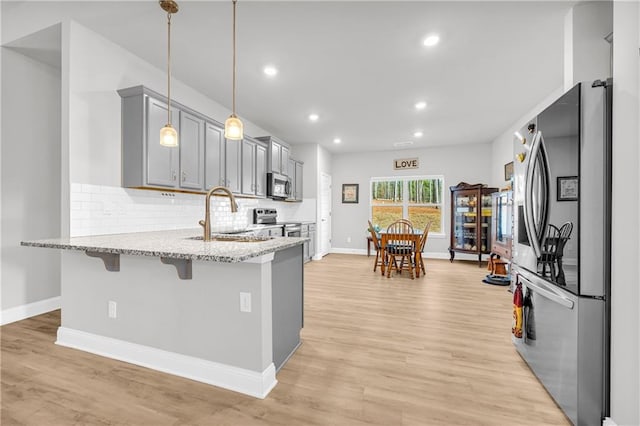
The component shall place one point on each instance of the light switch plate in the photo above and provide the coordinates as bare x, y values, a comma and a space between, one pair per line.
113, 309
245, 302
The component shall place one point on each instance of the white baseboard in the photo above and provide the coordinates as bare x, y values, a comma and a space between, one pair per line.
339, 250
29, 310
608, 422
237, 379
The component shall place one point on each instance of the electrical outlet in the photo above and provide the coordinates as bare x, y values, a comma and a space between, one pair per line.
113, 309
245, 302
348, 239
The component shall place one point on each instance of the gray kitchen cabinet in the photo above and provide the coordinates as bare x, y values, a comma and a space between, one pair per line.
191, 147
304, 233
298, 183
308, 230
284, 161
261, 170
274, 231
233, 155
146, 163
254, 166
278, 155
295, 173
215, 159
312, 242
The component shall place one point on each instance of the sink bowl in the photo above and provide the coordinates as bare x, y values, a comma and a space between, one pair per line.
235, 238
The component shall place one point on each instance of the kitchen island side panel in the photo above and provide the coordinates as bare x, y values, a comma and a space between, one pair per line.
288, 302
199, 317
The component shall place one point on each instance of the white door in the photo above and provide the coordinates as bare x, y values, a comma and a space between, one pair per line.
325, 214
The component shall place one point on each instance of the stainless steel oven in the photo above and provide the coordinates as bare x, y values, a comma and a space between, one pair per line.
292, 229
264, 216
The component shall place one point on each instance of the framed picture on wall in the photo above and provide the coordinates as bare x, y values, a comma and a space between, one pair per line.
567, 189
508, 171
350, 193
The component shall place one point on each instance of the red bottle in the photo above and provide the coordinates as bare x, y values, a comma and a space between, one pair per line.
516, 329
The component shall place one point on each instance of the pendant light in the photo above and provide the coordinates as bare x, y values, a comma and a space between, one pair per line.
168, 135
233, 125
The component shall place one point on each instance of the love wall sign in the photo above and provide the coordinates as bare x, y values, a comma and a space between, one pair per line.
405, 163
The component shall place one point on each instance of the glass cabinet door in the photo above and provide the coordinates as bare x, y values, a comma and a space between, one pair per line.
464, 229
485, 229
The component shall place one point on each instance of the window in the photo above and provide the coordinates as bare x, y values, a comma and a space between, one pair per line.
419, 199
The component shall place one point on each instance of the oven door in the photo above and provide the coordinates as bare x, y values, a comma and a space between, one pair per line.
292, 231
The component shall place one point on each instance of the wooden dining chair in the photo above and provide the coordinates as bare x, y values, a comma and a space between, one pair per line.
400, 226
399, 246
553, 251
378, 247
418, 262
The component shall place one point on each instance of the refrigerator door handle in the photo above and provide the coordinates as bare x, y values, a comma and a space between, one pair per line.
528, 196
536, 228
551, 295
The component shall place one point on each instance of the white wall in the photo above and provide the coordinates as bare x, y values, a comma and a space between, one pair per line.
99, 67
461, 163
502, 146
625, 265
587, 54
30, 178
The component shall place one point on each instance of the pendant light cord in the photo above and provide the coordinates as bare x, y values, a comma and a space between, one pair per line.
233, 101
169, 68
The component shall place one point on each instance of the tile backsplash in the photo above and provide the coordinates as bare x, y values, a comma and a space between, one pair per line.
97, 209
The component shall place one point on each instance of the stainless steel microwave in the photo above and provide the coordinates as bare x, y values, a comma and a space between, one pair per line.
278, 186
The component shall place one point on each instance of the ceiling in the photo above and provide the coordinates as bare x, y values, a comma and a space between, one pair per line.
361, 66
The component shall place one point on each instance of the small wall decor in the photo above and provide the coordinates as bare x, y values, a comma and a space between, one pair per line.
567, 189
406, 163
508, 171
350, 193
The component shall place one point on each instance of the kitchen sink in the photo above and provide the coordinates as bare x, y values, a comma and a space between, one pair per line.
235, 238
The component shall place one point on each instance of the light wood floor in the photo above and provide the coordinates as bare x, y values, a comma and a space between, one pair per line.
376, 351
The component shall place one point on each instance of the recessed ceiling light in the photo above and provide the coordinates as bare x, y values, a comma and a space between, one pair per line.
337, 140
421, 105
270, 70
417, 134
314, 117
431, 40
405, 143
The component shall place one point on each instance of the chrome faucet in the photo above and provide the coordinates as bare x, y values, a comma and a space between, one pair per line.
206, 223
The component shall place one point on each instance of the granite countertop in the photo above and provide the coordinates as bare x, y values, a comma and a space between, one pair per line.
177, 244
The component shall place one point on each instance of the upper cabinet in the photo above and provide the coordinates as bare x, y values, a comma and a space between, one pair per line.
278, 155
203, 158
142, 119
215, 156
233, 157
295, 174
145, 162
191, 146
254, 167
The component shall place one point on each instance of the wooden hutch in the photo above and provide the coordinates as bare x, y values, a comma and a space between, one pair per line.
470, 219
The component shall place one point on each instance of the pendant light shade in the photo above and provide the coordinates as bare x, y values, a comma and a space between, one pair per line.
233, 128
168, 135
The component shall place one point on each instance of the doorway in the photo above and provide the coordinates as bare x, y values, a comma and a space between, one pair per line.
325, 214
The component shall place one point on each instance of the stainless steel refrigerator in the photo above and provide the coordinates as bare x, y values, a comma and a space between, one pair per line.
562, 174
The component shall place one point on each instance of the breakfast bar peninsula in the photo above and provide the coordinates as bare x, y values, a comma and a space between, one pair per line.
227, 312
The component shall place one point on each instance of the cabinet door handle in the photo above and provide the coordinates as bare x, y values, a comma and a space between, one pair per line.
184, 176
173, 175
